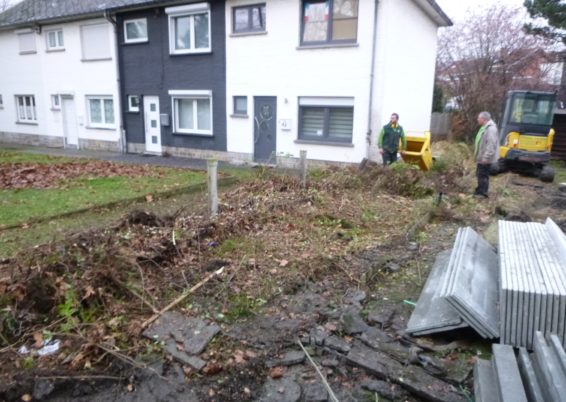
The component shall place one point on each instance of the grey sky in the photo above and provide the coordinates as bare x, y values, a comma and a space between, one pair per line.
456, 9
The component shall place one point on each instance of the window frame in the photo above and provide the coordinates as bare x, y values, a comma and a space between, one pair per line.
26, 120
194, 95
235, 111
329, 30
101, 99
325, 131
1, 102
250, 28
131, 108
58, 46
138, 40
188, 11
55, 105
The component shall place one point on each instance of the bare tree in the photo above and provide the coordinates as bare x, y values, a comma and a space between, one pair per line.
487, 55
4, 4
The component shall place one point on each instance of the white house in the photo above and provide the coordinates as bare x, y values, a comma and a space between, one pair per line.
324, 76
58, 77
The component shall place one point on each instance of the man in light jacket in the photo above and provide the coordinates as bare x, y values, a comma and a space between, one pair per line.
486, 152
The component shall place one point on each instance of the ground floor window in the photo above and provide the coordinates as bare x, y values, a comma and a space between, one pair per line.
100, 111
328, 121
133, 103
25, 106
192, 112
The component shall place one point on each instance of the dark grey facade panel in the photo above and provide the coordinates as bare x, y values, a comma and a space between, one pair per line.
147, 69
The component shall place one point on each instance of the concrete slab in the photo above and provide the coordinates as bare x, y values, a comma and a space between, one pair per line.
547, 368
432, 313
528, 375
485, 385
508, 376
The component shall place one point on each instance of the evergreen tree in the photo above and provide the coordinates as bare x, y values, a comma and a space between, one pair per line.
554, 12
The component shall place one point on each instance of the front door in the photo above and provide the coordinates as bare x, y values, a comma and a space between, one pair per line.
265, 129
70, 126
152, 124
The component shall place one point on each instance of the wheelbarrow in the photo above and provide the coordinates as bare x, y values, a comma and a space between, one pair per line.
418, 151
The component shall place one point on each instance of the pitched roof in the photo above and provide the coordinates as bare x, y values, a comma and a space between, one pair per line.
434, 11
29, 12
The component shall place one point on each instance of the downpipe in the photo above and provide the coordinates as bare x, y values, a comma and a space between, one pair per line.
372, 79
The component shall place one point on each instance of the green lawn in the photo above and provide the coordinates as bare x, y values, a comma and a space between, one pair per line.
24, 205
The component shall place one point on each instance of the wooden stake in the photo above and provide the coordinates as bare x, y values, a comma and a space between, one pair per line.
179, 299
333, 397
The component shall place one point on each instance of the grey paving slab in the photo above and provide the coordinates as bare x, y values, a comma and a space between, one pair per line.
558, 350
473, 287
530, 381
508, 376
432, 313
552, 381
485, 385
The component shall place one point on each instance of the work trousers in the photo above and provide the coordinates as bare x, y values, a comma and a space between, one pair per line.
482, 174
389, 157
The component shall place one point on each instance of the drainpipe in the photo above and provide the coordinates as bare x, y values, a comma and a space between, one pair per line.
372, 77
123, 145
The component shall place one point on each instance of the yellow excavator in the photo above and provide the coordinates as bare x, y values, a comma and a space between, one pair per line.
526, 134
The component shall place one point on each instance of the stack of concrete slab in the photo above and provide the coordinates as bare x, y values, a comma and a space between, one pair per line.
534, 377
461, 290
532, 261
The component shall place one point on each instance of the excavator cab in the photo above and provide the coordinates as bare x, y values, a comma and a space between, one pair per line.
526, 134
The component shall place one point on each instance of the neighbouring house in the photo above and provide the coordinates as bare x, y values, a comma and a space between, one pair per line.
232, 79
58, 75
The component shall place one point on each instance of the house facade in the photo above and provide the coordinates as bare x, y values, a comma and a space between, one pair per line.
245, 80
324, 76
173, 69
59, 81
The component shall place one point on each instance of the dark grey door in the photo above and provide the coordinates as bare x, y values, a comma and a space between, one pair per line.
265, 128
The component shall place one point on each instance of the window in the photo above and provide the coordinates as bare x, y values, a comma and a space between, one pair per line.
1, 102
189, 28
26, 40
192, 112
55, 40
55, 102
133, 103
248, 18
241, 105
329, 21
326, 119
95, 41
25, 107
100, 111
135, 31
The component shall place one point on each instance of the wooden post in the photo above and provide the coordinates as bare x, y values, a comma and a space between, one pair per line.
303, 168
212, 168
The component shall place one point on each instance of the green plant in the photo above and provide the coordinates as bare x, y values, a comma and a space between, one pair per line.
29, 363
242, 306
68, 310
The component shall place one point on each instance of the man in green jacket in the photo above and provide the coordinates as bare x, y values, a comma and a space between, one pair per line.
388, 141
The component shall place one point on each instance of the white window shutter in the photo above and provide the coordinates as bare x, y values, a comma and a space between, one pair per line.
96, 42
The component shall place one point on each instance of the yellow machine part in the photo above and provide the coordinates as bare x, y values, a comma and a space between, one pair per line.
418, 151
530, 143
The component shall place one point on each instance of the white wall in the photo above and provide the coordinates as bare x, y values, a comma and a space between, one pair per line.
405, 65
57, 72
271, 65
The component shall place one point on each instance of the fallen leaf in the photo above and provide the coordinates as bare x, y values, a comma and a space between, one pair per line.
130, 387
247, 391
149, 198
26, 397
38, 338
277, 372
251, 354
89, 291
211, 392
212, 368
283, 263
239, 357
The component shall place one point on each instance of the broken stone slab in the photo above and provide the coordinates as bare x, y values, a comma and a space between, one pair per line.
413, 379
352, 322
383, 389
42, 388
315, 392
193, 361
283, 390
330, 363
317, 336
338, 344
194, 333
290, 358
382, 316
355, 297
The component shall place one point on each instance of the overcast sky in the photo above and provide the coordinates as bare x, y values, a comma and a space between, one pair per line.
456, 9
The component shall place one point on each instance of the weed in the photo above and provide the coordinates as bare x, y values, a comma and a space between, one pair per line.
242, 306
29, 363
68, 309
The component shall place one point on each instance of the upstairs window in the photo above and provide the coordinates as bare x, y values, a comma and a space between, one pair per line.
1, 102
95, 41
189, 28
55, 40
25, 107
329, 21
248, 18
26, 41
135, 31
